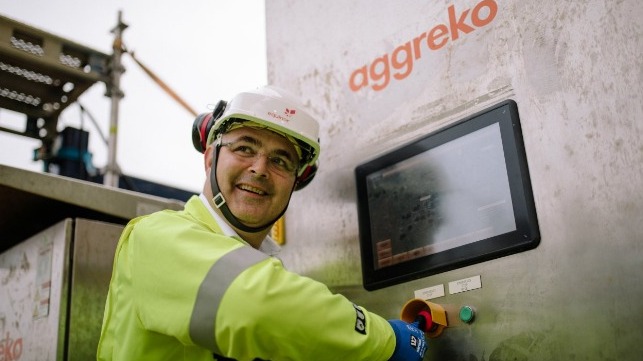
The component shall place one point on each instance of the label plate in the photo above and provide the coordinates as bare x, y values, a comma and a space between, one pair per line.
465, 284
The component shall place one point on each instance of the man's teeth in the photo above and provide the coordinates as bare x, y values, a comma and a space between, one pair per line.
252, 189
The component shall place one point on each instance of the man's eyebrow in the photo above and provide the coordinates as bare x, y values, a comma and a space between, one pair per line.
248, 139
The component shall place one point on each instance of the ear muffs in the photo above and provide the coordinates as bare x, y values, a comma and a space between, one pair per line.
202, 125
199, 133
306, 177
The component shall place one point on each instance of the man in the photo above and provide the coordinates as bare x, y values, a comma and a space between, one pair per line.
200, 284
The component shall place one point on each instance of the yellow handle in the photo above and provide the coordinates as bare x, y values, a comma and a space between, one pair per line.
413, 307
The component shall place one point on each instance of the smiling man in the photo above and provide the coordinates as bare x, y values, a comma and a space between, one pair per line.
256, 172
202, 283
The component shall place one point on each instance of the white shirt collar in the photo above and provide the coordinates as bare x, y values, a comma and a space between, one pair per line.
268, 245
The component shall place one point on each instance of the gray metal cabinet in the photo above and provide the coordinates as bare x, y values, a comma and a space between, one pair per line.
53, 291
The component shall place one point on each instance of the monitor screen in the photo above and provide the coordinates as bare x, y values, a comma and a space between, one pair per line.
455, 197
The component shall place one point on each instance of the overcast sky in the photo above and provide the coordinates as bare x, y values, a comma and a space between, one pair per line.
204, 50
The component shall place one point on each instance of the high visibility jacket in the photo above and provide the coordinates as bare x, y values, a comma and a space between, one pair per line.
182, 290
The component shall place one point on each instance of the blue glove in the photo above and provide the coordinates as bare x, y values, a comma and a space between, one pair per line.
410, 343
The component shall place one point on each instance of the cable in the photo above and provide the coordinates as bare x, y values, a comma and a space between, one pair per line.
84, 110
126, 178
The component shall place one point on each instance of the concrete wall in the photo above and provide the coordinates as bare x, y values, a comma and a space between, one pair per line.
575, 70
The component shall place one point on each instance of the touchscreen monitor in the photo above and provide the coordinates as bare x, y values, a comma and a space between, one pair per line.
457, 196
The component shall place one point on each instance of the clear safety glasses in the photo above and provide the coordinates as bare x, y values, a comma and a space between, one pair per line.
279, 161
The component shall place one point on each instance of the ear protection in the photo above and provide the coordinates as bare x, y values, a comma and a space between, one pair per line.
306, 176
203, 124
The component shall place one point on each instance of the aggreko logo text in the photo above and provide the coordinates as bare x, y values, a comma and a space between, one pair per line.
377, 74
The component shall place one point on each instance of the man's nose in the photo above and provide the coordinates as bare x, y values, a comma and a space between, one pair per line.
260, 164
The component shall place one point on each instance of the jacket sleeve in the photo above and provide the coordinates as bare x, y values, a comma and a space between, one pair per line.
271, 313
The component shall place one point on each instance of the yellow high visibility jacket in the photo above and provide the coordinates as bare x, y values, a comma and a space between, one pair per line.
182, 290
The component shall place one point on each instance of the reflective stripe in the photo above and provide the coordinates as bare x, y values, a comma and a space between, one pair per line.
212, 289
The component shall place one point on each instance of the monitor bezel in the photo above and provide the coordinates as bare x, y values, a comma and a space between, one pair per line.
525, 237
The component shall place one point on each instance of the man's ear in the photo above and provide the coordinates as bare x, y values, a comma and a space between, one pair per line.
208, 158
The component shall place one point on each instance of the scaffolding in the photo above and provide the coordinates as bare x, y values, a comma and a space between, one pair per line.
41, 74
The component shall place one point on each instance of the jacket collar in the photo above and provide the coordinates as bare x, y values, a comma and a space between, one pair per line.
203, 208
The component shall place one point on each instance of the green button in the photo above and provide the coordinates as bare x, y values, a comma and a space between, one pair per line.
467, 314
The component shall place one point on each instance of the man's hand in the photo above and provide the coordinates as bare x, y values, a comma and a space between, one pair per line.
410, 343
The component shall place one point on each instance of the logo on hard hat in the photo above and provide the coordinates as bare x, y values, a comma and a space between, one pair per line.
288, 113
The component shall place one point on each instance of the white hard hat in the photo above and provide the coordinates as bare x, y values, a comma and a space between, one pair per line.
277, 110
